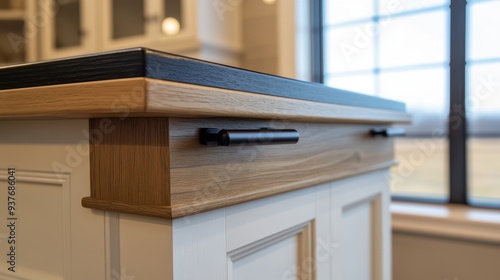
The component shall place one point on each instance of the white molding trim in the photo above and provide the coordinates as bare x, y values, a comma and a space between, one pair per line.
448, 221
48, 178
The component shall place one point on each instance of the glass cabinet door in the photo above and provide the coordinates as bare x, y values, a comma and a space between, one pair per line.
128, 18
158, 24
171, 22
70, 29
14, 48
68, 25
126, 23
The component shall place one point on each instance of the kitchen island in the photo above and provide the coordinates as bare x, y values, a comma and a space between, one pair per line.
138, 164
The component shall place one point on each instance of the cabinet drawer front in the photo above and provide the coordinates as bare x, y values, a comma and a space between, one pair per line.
158, 167
208, 177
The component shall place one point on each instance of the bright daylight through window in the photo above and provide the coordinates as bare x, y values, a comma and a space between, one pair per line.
400, 49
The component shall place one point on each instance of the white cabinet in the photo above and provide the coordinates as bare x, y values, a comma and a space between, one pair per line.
360, 224
55, 237
337, 230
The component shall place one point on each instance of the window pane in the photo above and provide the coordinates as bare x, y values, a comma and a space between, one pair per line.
400, 56
338, 11
483, 98
387, 7
364, 83
423, 154
349, 48
414, 40
483, 113
484, 173
423, 167
483, 26
423, 90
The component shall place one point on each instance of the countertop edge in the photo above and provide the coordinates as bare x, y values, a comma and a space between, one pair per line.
147, 97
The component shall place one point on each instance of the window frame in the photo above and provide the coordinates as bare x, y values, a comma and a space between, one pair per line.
457, 120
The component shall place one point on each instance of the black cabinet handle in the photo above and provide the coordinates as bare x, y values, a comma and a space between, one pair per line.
388, 132
263, 136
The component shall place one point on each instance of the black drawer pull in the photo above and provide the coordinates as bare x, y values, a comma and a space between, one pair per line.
263, 136
388, 132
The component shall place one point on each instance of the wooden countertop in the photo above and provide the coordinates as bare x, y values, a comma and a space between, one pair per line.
142, 82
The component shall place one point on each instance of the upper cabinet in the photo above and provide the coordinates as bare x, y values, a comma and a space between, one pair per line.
86, 26
32, 30
148, 23
18, 36
70, 27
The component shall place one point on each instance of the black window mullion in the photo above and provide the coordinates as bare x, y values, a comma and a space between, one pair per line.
317, 41
457, 129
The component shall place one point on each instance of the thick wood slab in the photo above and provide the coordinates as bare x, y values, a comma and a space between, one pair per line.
145, 63
177, 99
136, 170
144, 97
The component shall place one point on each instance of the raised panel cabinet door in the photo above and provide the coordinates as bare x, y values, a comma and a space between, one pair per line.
50, 235
360, 224
266, 239
273, 238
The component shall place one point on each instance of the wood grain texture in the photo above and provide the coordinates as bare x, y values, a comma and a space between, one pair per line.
118, 64
129, 160
204, 177
105, 98
177, 99
156, 166
128, 207
146, 63
141, 97
169, 67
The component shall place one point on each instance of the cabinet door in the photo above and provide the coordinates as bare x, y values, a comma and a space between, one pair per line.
17, 31
55, 237
176, 27
273, 238
128, 23
168, 25
69, 27
360, 222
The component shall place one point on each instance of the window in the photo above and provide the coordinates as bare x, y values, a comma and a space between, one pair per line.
401, 50
483, 100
